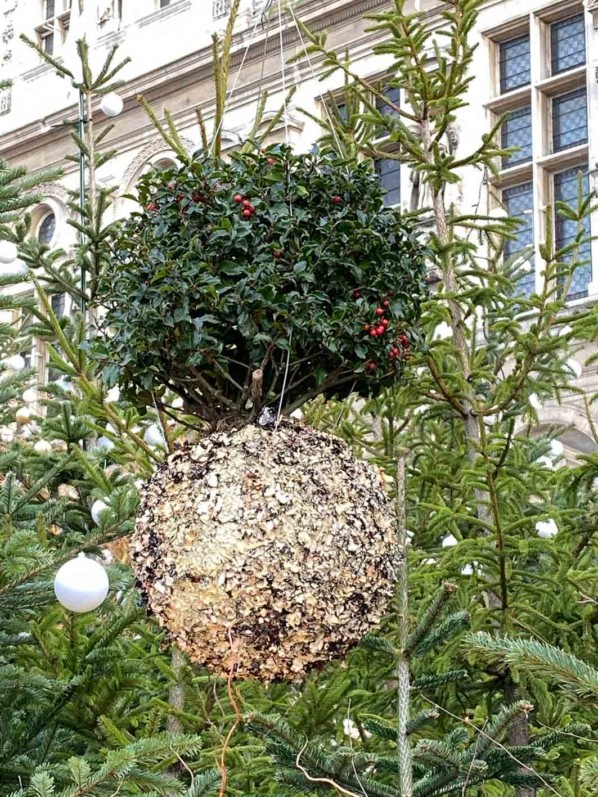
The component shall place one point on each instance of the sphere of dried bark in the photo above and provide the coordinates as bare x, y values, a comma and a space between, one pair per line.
272, 551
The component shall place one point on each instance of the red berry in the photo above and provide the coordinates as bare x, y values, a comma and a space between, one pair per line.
384, 322
356, 295
394, 352
151, 207
238, 198
379, 311
196, 197
271, 161
373, 332
247, 213
380, 330
246, 203
385, 303
180, 197
277, 253
336, 199
370, 365
403, 340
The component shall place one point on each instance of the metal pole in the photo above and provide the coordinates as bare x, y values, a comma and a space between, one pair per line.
81, 130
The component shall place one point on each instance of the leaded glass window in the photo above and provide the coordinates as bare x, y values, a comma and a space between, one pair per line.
569, 120
46, 229
566, 189
568, 44
394, 95
514, 60
519, 204
389, 172
517, 132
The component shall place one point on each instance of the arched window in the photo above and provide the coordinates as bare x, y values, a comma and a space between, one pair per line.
46, 228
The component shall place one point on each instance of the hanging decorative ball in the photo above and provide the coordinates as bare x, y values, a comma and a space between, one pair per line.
81, 585
8, 252
67, 491
557, 449
113, 394
111, 104
23, 415
59, 445
449, 541
30, 396
97, 508
16, 268
153, 435
547, 529
546, 462
105, 443
42, 447
14, 363
7, 435
271, 550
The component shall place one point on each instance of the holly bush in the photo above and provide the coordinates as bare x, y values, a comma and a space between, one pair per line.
264, 274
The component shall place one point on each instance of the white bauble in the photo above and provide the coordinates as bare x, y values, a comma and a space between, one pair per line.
59, 445
546, 462
153, 435
97, 508
113, 394
42, 447
350, 729
547, 529
575, 367
429, 561
30, 395
14, 363
81, 585
15, 269
8, 252
105, 443
467, 570
111, 104
557, 449
7, 435
535, 402
449, 541
23, 415
177, 403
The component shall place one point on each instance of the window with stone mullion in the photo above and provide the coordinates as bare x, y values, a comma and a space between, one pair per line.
519, 204
514, 63
566, 189
567, 44
569, 120
517, 132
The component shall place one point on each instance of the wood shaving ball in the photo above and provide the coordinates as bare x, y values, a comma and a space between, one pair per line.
271, 551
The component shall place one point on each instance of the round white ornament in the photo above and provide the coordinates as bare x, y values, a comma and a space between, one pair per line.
547, 529
15, 269
449, 541
105, 443
42, 447
557, 449
97, 508
111, 104
153, 436
30, 396
113, 394
23, 415
8, 252
81, 585
14, 363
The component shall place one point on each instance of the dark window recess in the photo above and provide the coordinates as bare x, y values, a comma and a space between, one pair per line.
393, 94
517, 132
50, 7
46, 229
566, 189
567, 44
27, 356
341, 110
569, 120
48, 43
58, 304
53, 375
164, 3
514, 61
519, 204
389, 172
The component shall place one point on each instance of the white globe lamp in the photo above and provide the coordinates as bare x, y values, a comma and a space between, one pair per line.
112, 104
449, 541
97, 508
81, 585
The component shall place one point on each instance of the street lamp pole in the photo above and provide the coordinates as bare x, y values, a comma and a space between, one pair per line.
81, 131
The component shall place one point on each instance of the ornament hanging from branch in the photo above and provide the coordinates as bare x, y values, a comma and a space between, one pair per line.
279, 540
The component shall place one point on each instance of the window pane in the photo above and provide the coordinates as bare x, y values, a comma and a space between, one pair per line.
566, 187
48, 43
164, 3
569, 120
50, 8
517, 132
568, 44
394, 95
514, 63
46, 229
519, 204
389, 172
57, 301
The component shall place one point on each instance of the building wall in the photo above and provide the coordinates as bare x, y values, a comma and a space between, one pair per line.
171, 67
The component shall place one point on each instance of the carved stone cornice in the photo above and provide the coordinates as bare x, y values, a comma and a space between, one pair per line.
148, 152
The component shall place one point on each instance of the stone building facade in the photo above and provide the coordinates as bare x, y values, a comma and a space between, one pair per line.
537, 60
